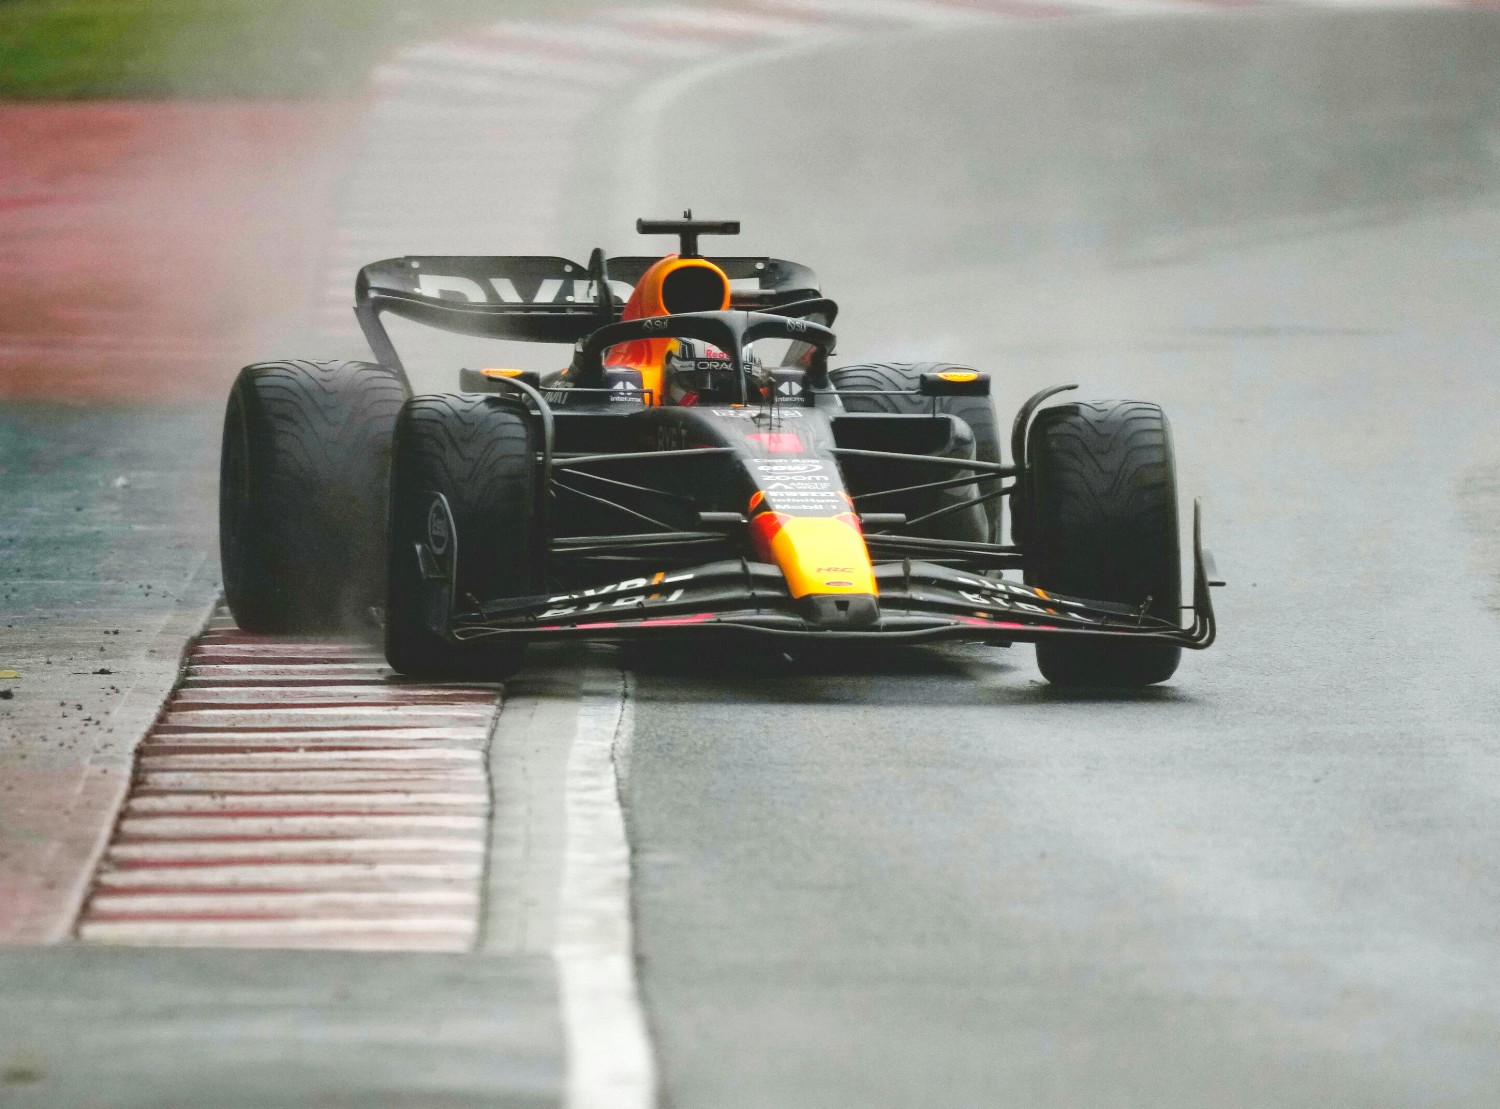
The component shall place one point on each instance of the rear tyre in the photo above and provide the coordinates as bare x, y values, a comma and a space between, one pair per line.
977, 412
303, 482
1102, 524
478, 452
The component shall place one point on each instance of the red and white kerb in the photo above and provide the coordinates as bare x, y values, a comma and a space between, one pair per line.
292, 794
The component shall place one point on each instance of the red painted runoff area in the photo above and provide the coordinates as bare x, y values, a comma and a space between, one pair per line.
148, 249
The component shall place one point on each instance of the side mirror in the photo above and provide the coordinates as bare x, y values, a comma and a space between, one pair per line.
955, 383
493, 381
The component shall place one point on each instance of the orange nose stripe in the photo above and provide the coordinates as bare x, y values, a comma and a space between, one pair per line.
816, 554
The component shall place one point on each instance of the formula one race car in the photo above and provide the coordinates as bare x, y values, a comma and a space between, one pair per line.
673, 480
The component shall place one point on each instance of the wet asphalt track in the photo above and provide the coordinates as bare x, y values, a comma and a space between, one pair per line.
926, 878
933, 880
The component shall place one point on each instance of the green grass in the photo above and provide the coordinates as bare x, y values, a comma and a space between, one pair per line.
193, 48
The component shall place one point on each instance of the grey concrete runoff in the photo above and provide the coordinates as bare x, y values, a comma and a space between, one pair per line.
932, 880
107, 566
106, 1028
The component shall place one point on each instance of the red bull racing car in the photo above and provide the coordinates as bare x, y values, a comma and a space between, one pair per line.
676, 479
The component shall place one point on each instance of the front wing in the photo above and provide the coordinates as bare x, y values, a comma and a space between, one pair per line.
919, 601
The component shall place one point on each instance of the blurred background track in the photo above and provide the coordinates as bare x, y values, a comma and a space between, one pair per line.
142, 242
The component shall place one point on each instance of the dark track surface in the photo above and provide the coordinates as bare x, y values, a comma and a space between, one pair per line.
936, 881
941, 882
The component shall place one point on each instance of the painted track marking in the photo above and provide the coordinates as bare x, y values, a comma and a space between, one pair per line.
610, 1064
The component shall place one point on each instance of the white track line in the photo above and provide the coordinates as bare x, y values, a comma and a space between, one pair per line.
487, 60
1135, 7
149, 827
610, 1065
120, 902
428, 784
428, 848
910, 12
593, 38
394, 758
712, 21
426, 933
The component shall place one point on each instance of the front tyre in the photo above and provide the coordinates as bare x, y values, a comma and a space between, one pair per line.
303, 481
1101, 500
478, 453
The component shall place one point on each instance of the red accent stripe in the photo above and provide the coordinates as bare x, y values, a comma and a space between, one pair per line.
660, 621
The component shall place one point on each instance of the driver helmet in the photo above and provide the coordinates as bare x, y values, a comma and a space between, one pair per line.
698, 372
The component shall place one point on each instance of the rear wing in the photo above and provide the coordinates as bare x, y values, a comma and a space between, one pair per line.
537, 298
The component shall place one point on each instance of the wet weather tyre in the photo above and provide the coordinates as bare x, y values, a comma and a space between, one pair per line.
479, 453
1102, 524
977, 412
303, 486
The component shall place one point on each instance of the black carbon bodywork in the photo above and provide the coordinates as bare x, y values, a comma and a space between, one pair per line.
647, 522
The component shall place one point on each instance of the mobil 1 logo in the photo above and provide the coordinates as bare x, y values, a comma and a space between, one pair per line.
800, 486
